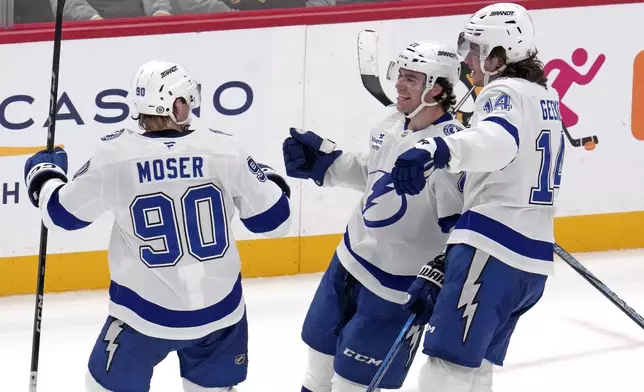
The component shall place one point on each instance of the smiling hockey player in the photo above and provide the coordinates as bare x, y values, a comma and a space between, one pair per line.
356, 313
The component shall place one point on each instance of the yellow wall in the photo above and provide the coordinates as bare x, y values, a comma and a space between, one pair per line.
285, 256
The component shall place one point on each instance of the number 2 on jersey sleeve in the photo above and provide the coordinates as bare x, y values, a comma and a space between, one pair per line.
205, 226
549, 177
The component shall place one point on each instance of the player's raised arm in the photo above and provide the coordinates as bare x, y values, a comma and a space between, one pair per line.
494, 142
262, 197
349, 170
69, 205
307, 155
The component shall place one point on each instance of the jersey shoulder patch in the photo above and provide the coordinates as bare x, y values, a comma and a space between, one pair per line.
255, 169
451, 129
83, 169
113, 135
377, 139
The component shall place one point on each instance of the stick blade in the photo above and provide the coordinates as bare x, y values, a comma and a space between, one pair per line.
372, 84
368, 64
368, 52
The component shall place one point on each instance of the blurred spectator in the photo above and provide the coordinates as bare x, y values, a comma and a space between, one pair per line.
108, 9
199, 6
32, 11
247, 5
344, 2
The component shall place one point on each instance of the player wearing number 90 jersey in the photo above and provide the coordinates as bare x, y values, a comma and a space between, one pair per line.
175, 268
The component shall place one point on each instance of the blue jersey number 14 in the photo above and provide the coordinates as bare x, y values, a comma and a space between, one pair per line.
549, 177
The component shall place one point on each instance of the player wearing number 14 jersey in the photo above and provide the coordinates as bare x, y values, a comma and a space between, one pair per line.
175, 268
501, 248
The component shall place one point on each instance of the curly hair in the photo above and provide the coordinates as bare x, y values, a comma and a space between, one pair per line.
530, 69
446, 98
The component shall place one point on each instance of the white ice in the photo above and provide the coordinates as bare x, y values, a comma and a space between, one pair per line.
573, 340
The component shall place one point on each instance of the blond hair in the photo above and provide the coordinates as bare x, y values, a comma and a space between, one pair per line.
150, 123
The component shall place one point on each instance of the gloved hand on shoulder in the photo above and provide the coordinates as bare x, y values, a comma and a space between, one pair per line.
412, 167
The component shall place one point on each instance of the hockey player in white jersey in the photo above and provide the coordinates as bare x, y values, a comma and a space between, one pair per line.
501, 249
356, 313
174, 266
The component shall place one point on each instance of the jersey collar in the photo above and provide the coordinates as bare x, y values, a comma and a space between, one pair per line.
167, 133
445, 117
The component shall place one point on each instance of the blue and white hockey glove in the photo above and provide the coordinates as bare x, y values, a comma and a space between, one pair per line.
307, 155
422, 294
42, 167
416, 164
272, 175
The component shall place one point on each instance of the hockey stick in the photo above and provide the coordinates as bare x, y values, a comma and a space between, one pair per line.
42, 253
369, 74
599, 285
382, 369
580, 141
368, 62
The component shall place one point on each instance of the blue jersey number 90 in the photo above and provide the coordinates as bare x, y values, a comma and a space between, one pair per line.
549, 177
205, 226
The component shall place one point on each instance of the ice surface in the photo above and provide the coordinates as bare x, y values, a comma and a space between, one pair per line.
574, 339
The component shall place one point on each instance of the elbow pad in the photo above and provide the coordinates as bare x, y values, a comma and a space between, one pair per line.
272, 175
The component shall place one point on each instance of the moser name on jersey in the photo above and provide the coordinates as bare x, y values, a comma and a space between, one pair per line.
170, 168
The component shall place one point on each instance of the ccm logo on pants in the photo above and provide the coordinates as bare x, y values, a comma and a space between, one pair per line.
362, 358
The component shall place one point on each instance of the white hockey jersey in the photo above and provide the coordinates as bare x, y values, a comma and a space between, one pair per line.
174, 264
390, 237
513, 155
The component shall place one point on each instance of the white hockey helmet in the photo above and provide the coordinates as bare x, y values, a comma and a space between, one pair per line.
156, 85
430, 58
507, 25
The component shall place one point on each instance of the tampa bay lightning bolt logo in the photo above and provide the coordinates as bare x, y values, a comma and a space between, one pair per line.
113, 135
451, 129
83, 169
380, 188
